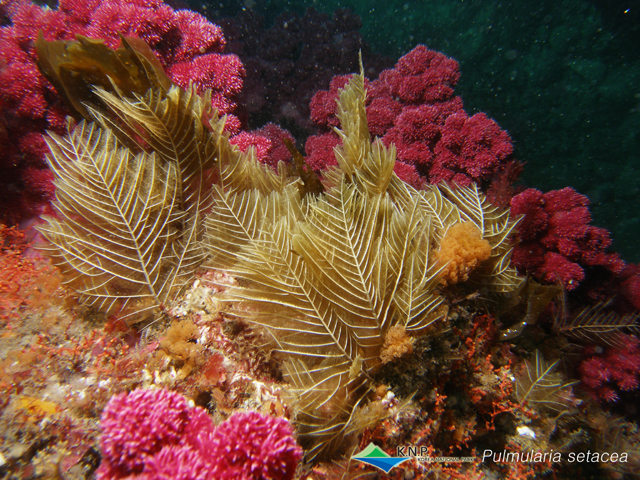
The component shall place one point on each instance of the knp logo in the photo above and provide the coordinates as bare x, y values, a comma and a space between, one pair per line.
373, 455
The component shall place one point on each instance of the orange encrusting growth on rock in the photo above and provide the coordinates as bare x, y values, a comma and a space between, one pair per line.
462, 248
27, 283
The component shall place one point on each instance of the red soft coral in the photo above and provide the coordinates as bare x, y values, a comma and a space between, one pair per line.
413, 107
557, 240
319, 149
222, 74
615, 368
471, 148
422, 76
268, 143
157, 434
187, 45
323, 104
177, 463
136, 426
245, 140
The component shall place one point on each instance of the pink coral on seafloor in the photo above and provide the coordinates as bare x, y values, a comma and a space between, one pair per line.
251, 445
136, 426
413, 106
177, 463
189, 47
557, 242
156, 434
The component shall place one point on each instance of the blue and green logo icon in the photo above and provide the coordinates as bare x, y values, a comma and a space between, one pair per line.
373, 455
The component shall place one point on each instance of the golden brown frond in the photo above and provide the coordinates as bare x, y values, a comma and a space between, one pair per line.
171, 125
353, 131
77, 67
174, 125
166, 125
411, 240
325, 277
438, 208
597, 325
539, 385
325, 400
117, 236
234, 221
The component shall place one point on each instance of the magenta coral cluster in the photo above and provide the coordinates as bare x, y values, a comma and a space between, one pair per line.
251, 445
603, 372
268, 143
189, 47
156, 434
630, 284
413, 106
557, 241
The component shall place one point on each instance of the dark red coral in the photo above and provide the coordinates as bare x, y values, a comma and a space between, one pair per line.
630, 284
323, 104
616, 368
422, 76
268, 143
413, 107
259, 143
557, 240
319, 150
278, 151
471, 149
222, 74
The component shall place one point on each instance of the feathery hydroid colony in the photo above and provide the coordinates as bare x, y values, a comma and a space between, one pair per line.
328, 277
324, 276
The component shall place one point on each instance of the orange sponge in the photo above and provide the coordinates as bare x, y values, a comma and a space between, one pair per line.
462, 248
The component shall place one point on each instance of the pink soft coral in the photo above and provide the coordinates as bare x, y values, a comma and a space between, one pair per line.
138, 425
157, 434
615, 368
413, 107
189, 47
557, 240
268, 143
422, 76
251, 445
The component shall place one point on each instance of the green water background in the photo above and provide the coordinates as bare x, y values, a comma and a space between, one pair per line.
562, 77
